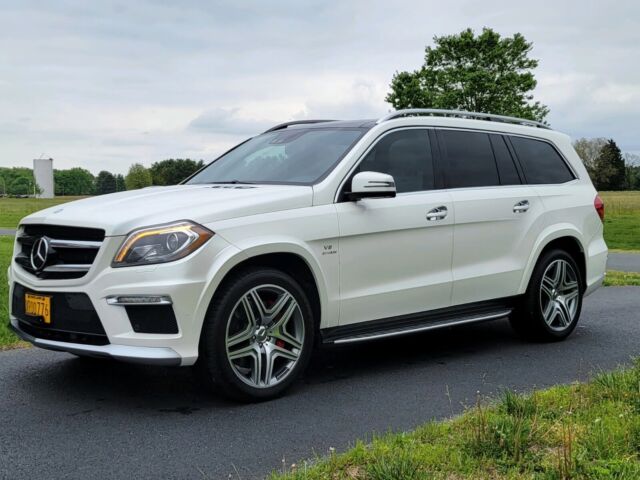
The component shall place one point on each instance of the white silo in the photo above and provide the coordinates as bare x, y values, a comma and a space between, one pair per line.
43, 174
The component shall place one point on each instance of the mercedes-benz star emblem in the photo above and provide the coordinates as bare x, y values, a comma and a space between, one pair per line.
39, 253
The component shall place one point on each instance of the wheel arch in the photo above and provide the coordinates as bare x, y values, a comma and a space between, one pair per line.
567, 239
292, 259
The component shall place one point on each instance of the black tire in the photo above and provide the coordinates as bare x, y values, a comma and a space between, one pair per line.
528, 320
214, 367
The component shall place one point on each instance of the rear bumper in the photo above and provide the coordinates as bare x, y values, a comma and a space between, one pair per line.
594, 285
133, 354
596, 259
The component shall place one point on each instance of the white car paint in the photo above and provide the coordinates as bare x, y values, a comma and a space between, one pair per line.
371, 259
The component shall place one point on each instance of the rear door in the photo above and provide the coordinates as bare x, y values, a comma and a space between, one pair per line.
393, 259
495, 215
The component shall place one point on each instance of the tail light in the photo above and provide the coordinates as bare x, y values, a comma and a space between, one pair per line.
599, 206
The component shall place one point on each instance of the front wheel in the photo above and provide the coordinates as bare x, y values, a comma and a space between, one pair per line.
257, 336
552, 303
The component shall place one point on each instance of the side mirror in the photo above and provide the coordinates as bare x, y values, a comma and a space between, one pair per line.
372, 185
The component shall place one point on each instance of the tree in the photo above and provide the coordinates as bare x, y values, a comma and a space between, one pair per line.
120, 185
20, 186
610, 169
105, 183
138, 177
484, 73
588, 149
74, 181
16, 181
172, 172
632, 162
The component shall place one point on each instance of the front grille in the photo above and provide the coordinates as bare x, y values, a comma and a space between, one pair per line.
70, 250
73, 318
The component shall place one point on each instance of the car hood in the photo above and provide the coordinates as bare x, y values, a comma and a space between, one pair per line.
119, 213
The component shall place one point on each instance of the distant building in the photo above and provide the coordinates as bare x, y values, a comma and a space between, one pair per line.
43, 174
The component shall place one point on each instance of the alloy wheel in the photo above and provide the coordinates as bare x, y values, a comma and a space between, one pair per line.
264, 336
559, 295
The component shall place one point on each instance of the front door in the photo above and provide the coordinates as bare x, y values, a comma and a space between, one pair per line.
395, 253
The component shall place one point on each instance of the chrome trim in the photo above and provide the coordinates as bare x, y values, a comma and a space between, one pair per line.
462, 114
437, 213
38, 252
55, 243
423, 328
521, 207
124, 300
127, 353
67, 268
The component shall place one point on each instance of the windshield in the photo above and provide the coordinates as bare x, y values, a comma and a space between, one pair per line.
297, 156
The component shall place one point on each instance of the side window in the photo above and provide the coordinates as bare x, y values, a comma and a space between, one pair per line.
406, 155
470, 158
506, 167
540, 161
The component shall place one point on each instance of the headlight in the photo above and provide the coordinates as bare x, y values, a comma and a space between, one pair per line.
161, 244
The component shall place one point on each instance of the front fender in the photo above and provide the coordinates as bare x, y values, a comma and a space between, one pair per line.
253, 247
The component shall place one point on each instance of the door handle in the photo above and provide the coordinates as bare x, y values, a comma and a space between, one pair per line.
521, 207
437, 214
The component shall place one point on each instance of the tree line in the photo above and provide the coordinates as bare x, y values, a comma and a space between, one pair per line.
19, 181
608, 168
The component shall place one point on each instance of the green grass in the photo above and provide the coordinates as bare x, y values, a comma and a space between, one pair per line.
617, 279
579, 431
7, 338
622, 220
12, 210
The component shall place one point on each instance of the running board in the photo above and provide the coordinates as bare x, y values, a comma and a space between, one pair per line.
414, 323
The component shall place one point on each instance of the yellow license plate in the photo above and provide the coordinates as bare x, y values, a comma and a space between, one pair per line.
38, 306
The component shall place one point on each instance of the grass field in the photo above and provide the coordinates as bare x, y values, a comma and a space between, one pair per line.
12, 210
617, 279
622, 220
580, 431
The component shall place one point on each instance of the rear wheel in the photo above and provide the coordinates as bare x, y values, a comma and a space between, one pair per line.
552, 303
257, 336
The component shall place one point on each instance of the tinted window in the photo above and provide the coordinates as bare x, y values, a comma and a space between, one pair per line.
470, 158
406, 155
540, 161
506, 168
297, 155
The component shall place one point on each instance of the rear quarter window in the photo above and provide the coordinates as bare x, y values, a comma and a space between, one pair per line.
541, 162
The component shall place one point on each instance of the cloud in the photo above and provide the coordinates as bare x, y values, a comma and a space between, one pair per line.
112, 83
227, 120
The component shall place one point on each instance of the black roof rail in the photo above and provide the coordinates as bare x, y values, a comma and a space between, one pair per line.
295, 122
462, 114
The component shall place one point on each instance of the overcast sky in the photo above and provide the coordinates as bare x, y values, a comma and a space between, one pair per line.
104, 84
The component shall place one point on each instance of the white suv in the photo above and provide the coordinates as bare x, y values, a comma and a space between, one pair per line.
318, 232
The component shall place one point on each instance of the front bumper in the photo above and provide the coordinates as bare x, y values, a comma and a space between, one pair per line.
146, 355
188, 282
